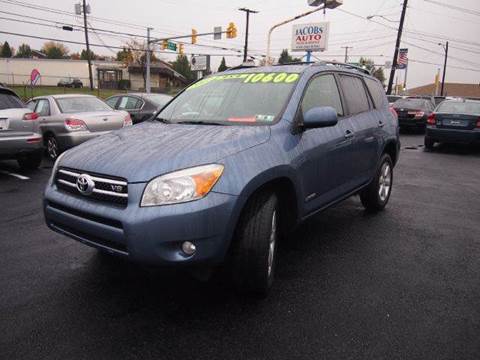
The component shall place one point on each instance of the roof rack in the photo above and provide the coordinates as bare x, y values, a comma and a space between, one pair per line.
242, 66
334, 63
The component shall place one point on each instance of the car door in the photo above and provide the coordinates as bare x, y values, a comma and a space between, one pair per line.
364, 123
324, 151
42, 108
133, 105
113, 102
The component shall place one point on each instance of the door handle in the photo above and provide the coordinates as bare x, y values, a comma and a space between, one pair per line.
349, 134
381, 124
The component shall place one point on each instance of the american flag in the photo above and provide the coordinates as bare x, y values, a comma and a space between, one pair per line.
402, 59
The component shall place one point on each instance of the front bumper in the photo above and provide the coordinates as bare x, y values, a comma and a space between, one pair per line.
17, 145
149, 235
74, 138
453, 135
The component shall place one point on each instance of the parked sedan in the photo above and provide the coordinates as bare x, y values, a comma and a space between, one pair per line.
19, 137
70, 82
69, 120
413, 112
454, 121
140, 106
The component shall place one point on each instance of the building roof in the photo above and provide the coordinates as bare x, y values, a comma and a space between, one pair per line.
450, 89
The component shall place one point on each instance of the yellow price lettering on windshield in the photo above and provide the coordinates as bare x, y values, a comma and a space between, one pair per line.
252, 78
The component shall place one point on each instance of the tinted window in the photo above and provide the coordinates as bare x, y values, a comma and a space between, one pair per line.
112, 101
377, 92
81, 104
43, 107
9, 101
129, 103
412, 104
31, 104
355, 94
322, 91
459, 107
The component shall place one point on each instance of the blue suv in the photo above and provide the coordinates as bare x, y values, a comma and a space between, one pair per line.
228, 167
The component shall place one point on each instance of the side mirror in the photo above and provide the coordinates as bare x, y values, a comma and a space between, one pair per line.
321, 116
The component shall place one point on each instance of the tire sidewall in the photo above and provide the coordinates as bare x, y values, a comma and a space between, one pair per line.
384, 159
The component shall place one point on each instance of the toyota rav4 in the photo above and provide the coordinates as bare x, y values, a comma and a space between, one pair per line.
228, 167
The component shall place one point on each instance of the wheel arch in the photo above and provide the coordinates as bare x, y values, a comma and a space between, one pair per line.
392, 148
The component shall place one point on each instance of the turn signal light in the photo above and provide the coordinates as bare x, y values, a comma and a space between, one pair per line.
431, 119
30, 116
75, 124
127, 121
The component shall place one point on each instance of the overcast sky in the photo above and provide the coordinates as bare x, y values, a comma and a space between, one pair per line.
427, 23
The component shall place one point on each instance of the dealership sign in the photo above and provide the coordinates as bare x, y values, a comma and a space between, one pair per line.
310, 37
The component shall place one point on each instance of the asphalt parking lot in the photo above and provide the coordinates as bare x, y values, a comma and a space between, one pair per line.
403, 284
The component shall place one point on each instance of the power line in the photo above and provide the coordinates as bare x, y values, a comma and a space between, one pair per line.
458, 8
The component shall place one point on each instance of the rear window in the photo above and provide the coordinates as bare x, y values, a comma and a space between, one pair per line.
9, 101
377, 92
459, 107
411, 104
81, 104
355, 94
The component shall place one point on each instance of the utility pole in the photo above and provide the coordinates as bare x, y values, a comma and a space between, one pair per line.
89, 60
444, 68
346, 52
148, 87
247, 11
397, 47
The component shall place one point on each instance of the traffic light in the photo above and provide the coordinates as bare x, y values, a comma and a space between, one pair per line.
164, 44
194, 36
231, 31
180, 49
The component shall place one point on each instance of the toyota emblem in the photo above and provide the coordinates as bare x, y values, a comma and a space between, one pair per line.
85, 184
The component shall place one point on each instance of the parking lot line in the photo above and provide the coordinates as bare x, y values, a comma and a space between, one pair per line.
21, 177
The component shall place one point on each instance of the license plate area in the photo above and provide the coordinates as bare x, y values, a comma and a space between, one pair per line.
456, 123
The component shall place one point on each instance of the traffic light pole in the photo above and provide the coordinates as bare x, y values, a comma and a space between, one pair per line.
148, 86
444, 69
89, 60
247, 11
397, 47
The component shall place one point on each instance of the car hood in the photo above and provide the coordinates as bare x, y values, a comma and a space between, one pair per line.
142, 152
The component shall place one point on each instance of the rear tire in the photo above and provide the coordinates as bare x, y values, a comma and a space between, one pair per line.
254, 247
31, 161
376, 195
429, 143
51, 145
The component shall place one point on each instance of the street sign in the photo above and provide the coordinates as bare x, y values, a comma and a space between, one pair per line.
34, 77
217, 33
199, 63
171, 46
310, 37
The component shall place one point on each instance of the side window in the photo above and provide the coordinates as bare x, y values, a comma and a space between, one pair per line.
355, 94
31, 104
43, 107
129, 103
377, 92
322, 91
112, 101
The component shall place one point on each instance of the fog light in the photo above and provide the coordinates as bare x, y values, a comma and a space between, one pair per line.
188, 248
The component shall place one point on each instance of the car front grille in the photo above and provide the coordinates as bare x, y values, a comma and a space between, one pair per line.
108, 189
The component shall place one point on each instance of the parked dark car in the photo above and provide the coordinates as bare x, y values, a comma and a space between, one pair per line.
413, 112
454, 121
19, 134
140, 106
231, 164
70, 83
393, 98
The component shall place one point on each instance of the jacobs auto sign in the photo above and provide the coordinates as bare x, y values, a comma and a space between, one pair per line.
310, 37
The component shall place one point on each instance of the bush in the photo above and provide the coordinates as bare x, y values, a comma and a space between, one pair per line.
124, 84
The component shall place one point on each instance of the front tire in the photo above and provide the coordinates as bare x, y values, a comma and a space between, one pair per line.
376, 195
254, 249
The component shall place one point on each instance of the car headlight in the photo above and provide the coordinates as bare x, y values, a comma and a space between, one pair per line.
181, 186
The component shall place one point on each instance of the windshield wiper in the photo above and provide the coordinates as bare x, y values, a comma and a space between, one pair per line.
193, 122
165, 121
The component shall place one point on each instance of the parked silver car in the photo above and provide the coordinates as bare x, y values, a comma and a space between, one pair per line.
68, 120
19, 137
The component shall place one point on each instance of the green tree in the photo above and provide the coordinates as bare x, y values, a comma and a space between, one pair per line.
124, 55
285, 58
223, 65
84, 54
375, 71
54, 50
24, 51
182, 66
6, 51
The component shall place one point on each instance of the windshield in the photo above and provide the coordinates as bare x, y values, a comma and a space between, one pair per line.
81, 104
158, 99
245, 98
411, 103
459, 107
